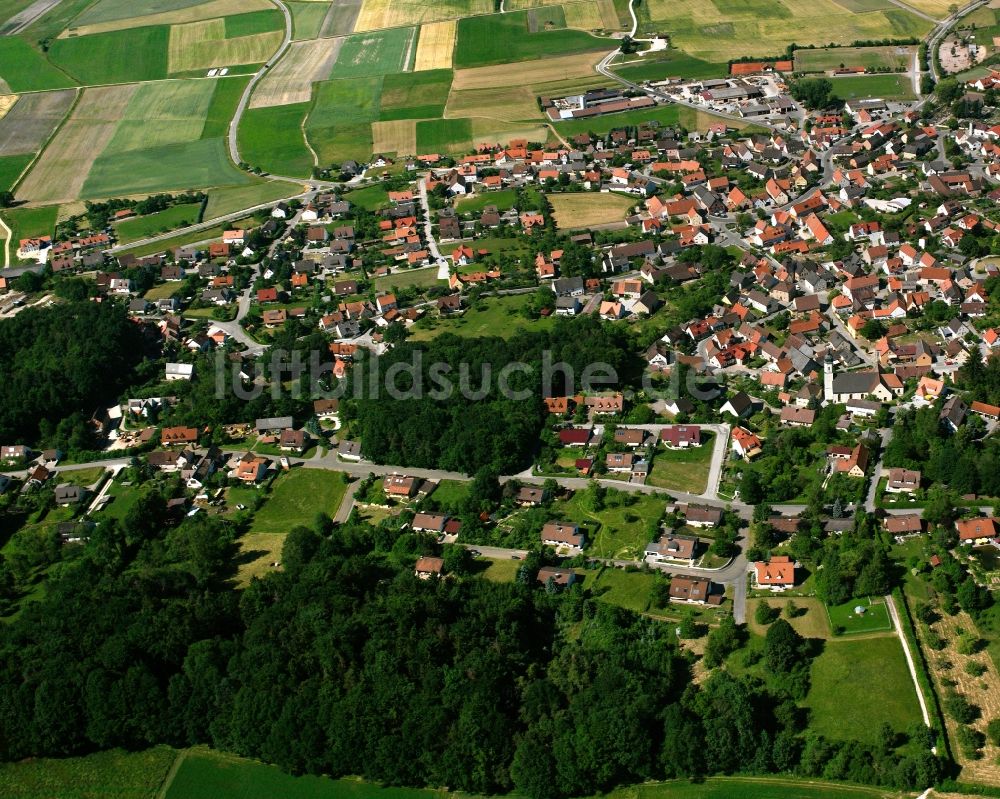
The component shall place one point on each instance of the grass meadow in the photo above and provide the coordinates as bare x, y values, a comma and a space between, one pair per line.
180, 215
127, 56
296, 497
24, 69
271, 138
683, 469
493, 39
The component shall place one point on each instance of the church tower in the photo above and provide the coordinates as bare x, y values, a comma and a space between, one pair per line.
828, 379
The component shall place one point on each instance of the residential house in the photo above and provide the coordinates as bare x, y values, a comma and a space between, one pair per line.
777, 574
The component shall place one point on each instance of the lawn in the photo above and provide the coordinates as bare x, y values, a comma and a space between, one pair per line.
450, 494
141, 227
122, 500
25, 69
169, 167
683, 469
271, 138
81, 477
809, 622
500, 570
115, 773
622, 532
375, 53
665, 115
371, 198
884, 87
126, 56
415, 95
296, 497
576, 210
629, 590
475, 203
421, 278
822, 59
498, 316
501, 39
163, 292
856, 686
874, 619
25, 223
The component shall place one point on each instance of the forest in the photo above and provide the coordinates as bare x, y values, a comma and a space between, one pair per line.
345, 663
62, 361
424, 427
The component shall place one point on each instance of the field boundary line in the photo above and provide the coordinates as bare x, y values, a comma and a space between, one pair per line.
168, 778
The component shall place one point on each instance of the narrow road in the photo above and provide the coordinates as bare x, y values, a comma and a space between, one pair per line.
432, 246
6, 242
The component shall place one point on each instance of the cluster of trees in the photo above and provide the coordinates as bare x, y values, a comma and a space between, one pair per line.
425, 426
63, 362
961, 461
345, 663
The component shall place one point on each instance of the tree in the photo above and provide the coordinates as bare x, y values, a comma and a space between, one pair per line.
873, 330
6, 199
814, 93
783, 647
765, 614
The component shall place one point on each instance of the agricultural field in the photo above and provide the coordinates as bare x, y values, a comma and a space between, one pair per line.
24, 69
669, 64
939, 9
291, 80
202, 45
822, 59
27, 223
271, 138
26, 126
475, 203
229, 200
841, 709
600, 15
436, 45
587, 209
123, 775
141, 227
11, 167
532, 73
307, 18
397, 136
505, 38
191, 237
375, 53
136, 54
113, 15
395, 13
885, 87
718, 31
61, 170
341, 18
508, 103
665, 115
415, 95
339, 125
498, 316
296, 497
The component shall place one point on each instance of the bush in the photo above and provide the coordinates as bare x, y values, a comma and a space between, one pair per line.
975, 669
993, 731
765, 614
970, 741
960, 709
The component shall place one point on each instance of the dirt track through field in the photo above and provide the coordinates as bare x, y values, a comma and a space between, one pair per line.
31, 120
291, 80
59, 174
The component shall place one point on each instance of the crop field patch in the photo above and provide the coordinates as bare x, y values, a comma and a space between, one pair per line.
59, 173
585, 209
527, 73
125, 56
23, 68
271, 138
307, 18
508, 103
167, 112
341, 18
398, 136
935, 8
718, 31
591, 15
377, 14
291, 80
194, 13
436, 45
862, 6
374, 53
170, 167
546, 18
263, 21
504, 38
884, 87
110, 10
203, 45
229, 200
344, 102
822, 59
415, 95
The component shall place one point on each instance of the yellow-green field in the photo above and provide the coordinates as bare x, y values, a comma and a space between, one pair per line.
436, 45
586, 209
377, 14
207, 10
203, 45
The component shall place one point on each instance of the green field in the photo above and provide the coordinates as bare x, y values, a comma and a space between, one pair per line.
162, 113
474, 204
307, 19
296, 498
111, 10
230, 200
444, 135
884, 87
665, 115
118, 774
11, 167
501, 39
500, 316
374, 53
683, 469
629, 590
842, 678
450, 494
223, 106
254, 22
180, 240
421, 278
25, 69
180, 215
26, 223
125, 56
171, 167
339, 124
874, 619
415, 95
670, 64
623, 531
371, 197
822, 59
271, 138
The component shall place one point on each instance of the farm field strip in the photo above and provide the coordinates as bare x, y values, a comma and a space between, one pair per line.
59, 174
291, 79
341, 18
396, 136
194, 13
436, 45
376, 14
591, 15
202, 45
567, 67
167, 112
32, 119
